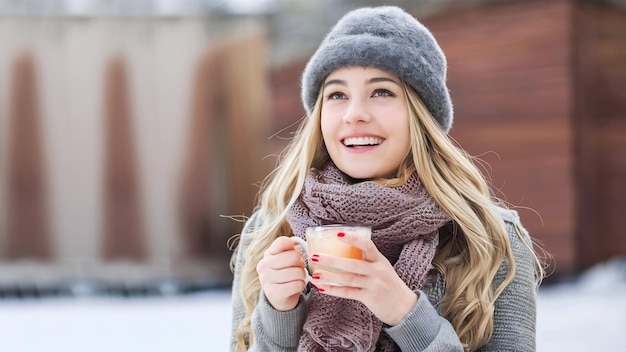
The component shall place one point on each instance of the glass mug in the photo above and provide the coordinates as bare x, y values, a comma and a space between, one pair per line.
324, 240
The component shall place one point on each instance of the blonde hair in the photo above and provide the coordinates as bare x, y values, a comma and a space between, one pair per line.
468, 261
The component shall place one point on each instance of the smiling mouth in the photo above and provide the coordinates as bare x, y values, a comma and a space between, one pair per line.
355, 142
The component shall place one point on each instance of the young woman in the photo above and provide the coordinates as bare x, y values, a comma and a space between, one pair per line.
446, 269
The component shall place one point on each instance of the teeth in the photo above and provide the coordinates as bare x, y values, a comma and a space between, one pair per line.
360, 141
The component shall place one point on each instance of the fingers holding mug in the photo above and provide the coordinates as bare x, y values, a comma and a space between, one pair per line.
281, 274
302, 243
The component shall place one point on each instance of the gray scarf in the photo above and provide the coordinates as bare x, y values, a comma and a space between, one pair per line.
405, 222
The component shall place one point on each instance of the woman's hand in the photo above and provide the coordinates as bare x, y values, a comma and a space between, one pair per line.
282, 274
371, 281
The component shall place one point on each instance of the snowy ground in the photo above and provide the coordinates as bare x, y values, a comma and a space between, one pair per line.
587, 314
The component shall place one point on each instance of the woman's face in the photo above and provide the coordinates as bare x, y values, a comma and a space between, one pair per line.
365, 122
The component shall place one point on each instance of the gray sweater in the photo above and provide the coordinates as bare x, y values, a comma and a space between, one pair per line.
424, 329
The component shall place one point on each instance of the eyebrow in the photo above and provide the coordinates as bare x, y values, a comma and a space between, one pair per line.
370, 81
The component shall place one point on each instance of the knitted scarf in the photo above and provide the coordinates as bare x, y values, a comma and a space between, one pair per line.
404, 223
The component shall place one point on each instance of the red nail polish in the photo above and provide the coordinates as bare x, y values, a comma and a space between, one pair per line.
315, 277
341, 234
315, 258
320, 289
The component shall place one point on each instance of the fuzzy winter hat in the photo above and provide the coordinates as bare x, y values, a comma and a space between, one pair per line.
389, 39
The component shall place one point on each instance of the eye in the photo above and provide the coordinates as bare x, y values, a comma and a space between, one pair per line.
335, 96
383, 93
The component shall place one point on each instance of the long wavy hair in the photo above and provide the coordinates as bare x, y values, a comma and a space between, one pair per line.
468, 260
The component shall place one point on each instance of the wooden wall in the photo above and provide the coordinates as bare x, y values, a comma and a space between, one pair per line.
511, 86
599, 113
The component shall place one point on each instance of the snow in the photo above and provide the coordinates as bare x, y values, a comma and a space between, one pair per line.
587, 313
198, 322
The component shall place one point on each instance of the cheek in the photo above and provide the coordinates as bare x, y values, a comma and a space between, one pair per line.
327, 129
404, 136
407, 138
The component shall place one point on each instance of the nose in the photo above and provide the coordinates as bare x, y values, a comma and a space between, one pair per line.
356, 111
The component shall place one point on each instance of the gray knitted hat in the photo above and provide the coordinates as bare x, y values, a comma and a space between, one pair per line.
389, 39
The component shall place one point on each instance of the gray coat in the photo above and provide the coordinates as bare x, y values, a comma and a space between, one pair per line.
424, 329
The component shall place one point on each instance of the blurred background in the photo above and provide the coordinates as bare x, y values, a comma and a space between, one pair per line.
134, 133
